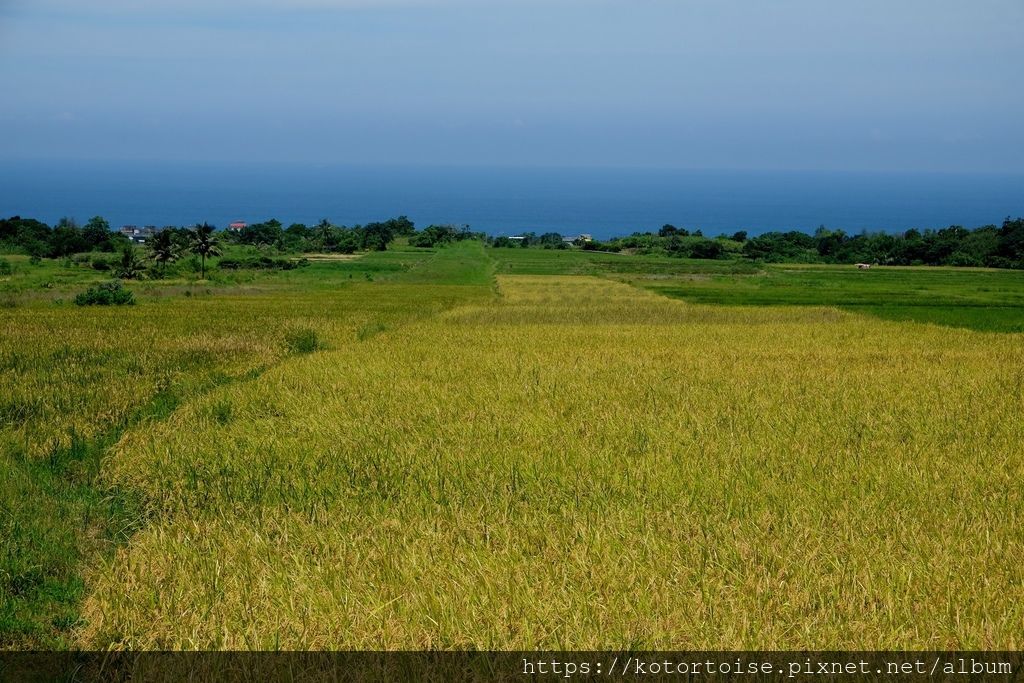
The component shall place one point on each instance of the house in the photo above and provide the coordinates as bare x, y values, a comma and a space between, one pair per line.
578, 239
238, 226
137, 234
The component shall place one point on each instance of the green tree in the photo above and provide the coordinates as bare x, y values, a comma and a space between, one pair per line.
205, 244
96, 233
376, 236
1011, 243
402, 226
66, 238
323, 234
162, 249
551, 240
129, 267
707, 249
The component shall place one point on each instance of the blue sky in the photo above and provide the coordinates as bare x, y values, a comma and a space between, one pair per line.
791, 84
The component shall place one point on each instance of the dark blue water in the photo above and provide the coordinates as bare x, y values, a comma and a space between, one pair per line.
603, 202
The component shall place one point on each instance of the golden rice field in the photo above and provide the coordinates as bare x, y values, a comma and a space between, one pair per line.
577, 463
508, 462
73, 379
65, 370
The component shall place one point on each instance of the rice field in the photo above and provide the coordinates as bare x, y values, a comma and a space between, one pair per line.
481, 457
73, 379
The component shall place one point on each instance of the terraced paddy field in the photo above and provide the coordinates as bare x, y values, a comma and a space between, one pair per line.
982, 299
476, 456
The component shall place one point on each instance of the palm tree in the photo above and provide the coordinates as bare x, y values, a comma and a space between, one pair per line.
162, 249
323, 233
204, 243
130, 266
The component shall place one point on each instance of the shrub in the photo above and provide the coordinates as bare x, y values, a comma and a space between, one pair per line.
5, 267
106, 294
192, 264
261, 263
961, 258
707, 249
129, 266
303, 340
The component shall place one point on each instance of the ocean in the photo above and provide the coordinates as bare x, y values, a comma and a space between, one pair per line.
600, 201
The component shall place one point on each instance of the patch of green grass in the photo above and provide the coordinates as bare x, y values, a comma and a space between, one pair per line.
53, 516
370, 330
979, 299
302, 340
517, 261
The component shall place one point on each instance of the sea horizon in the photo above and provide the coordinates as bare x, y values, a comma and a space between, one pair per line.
505, 200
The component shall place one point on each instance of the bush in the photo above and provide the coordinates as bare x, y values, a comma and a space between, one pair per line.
106, 294
302, 340
5, 267
192, 263
707, 249
964, 259
101, 264
261, 263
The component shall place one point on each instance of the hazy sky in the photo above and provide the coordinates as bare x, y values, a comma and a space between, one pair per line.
876, 84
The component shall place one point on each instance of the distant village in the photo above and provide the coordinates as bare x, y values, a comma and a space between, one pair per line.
577, 239
140, 235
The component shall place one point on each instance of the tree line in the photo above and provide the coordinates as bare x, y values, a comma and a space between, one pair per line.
990, 245
330, 238
67, 237
165, 246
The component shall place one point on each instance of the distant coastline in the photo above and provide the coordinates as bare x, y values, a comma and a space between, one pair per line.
507, 201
